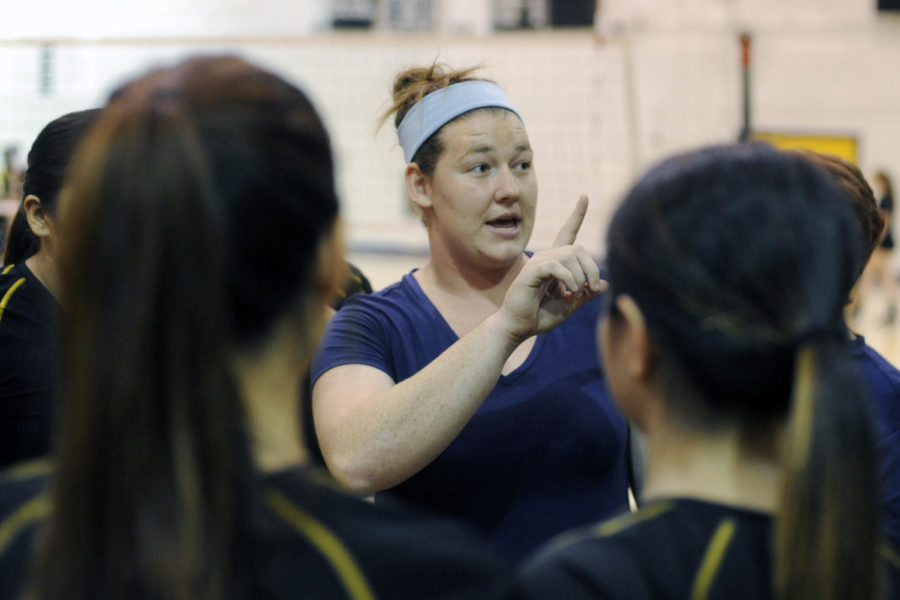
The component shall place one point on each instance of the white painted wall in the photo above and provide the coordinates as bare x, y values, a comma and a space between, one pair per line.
658, 76
192, 19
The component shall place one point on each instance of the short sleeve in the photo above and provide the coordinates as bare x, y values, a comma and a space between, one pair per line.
550, 577
592, 568
356, 335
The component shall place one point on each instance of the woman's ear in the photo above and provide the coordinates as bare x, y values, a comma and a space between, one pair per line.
629, 359
38, 219
418, 186
633, 331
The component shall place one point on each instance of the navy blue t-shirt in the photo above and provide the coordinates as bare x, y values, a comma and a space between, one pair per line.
883, 380
545, 451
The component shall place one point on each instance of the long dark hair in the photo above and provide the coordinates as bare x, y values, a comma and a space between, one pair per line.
197, 205
48, 161
740, 259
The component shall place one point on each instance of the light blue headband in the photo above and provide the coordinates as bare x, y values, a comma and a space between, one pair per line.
439, 108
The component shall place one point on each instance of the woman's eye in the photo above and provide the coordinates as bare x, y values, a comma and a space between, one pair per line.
480, 168
524, 165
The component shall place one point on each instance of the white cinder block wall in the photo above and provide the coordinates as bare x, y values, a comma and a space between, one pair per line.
655, 77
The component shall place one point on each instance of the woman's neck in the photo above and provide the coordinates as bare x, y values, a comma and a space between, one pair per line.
270, 380
465, 298
463, 279
43, 267
725, 465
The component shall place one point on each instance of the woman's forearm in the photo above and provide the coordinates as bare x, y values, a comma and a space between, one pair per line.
372, 441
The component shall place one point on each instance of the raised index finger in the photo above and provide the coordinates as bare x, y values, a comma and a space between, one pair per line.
569, 230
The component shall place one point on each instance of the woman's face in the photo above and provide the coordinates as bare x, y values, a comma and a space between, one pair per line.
483, 191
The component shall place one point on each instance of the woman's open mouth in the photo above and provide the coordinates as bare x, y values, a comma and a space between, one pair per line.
507, 226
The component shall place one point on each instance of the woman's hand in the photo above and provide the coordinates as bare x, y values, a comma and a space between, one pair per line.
553, 283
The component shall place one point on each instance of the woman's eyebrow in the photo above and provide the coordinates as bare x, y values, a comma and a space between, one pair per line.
482, 149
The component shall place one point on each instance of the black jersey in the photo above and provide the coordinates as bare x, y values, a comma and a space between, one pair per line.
29, 364
312, 541
668, 549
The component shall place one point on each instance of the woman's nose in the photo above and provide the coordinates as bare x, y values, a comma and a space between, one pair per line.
507, 187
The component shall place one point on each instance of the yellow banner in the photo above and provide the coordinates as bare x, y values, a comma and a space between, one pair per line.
838, 145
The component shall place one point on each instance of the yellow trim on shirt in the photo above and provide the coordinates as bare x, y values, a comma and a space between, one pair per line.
29, 513
610, 526
7, 269
891, 556
31, 468
712, 559
617, 524
8, 295
326, 542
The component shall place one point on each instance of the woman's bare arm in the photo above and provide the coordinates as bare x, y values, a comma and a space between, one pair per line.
375, 433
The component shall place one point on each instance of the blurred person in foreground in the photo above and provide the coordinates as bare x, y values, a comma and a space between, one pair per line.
201, 245
724, 341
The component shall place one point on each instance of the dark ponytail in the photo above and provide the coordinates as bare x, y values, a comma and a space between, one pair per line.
191, 176
151, 419
48, 162
828, 528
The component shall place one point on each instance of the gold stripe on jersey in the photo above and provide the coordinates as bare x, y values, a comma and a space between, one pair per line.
331, 547
617, 524
611, 526
7, 269
8, 295
712, 559
26, 470
29, 513
891, 556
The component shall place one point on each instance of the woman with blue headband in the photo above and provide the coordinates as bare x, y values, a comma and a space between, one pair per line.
471, 386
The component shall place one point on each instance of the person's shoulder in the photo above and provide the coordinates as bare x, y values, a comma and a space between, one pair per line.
660, 551
388, 314
366, 329
11, 272
866, 355
595, 561
388, 522
12, 281
891, 558
386, 303
400, 552
23, 298
22, 481
883, 381
401, 292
